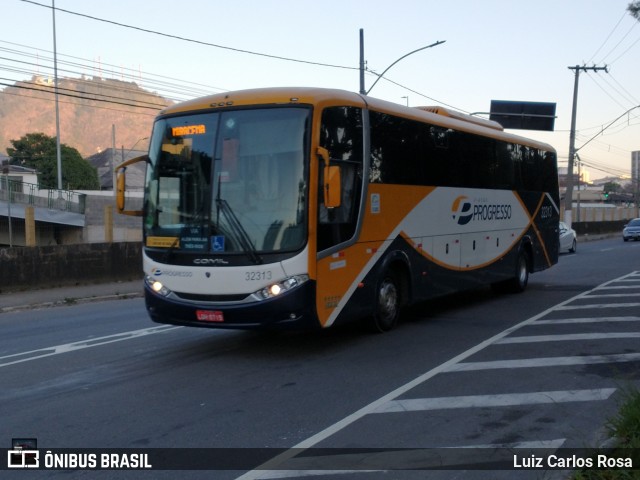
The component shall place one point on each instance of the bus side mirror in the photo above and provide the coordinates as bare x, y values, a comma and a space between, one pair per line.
121, 186
332, 184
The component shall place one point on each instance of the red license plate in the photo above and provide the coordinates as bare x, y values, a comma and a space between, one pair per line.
210, 315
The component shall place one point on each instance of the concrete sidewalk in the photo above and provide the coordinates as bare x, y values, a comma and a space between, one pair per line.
69, 295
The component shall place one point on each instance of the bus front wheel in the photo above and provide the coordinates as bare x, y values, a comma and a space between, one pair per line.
387, 303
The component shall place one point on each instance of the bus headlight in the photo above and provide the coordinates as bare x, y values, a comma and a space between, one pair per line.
281, 287
157, 286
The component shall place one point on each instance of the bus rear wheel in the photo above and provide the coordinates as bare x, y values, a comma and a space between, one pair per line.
387, 303
521, 279
518, 283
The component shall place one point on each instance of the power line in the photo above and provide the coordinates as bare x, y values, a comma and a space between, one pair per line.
608, 37
623, 53
4, 92
605, 91
234, 49
164, 83
92, 95
22, 87
604, 168
185, 39
635, 24
598, 134
633, 99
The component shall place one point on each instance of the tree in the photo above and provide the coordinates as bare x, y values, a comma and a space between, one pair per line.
38, 151
634, 9
612, 187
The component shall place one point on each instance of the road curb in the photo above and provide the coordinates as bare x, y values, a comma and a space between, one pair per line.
68, 301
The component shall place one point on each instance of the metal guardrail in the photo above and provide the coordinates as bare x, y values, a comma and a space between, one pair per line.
15, 191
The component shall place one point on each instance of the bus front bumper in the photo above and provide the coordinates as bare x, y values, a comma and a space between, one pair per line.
292, 309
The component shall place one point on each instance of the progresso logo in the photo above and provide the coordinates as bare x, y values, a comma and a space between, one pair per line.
464, 210
156, 272
461, 209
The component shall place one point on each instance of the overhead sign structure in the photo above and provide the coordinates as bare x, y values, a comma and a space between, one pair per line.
523, 115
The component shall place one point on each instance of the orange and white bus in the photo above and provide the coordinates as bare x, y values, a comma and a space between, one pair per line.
305, 206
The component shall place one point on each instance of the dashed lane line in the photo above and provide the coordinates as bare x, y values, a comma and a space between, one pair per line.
81, 345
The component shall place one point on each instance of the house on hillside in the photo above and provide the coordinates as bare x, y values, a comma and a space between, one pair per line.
107, 160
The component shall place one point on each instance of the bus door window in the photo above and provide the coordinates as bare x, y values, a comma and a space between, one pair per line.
341, 134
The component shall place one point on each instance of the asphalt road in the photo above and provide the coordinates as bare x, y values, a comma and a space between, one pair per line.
541, 370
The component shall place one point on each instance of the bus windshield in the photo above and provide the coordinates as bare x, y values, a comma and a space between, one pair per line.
228, 182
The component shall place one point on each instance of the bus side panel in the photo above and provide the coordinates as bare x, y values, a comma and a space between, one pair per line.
427, 279
452, 239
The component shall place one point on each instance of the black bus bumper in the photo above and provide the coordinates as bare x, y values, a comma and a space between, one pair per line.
292, 309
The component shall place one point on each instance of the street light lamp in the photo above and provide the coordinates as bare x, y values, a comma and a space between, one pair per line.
362, 63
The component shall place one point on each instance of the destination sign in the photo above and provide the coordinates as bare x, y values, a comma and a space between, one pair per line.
188, 130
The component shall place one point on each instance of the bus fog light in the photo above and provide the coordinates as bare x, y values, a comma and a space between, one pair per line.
279, 288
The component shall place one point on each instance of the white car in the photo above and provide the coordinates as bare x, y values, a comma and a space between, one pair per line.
568, 238
631, 230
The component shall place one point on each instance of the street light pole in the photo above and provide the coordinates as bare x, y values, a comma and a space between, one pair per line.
363, 91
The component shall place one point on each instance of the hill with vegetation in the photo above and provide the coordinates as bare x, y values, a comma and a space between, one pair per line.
89, 107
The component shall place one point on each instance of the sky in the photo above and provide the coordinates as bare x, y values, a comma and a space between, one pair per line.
493, 50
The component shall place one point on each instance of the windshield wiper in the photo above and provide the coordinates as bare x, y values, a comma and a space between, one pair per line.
239, 232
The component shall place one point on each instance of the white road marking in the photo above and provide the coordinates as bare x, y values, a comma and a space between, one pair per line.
545, 362
554, 321
619, 287
613, 295
447, 366
498, 400
568, 337
599, 305
72, 347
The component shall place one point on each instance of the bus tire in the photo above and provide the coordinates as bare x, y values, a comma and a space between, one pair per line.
387, 303
521, 279
518, 283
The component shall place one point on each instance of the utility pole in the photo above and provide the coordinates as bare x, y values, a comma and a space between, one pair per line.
568, 197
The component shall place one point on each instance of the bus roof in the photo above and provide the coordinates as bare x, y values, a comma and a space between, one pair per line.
324, 96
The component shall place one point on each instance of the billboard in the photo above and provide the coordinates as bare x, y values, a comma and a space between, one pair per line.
523, 115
